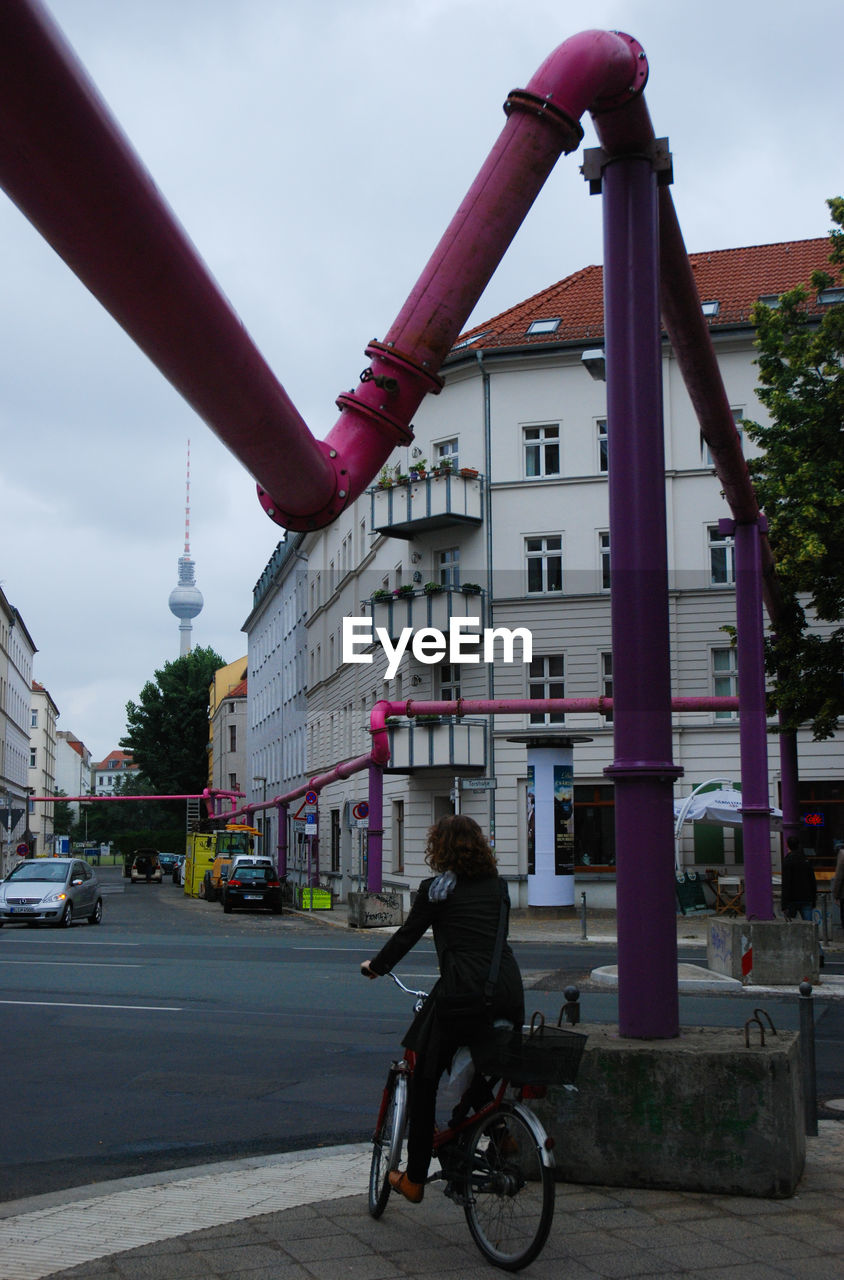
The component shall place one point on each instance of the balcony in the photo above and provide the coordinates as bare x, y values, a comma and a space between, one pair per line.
419, 608
404, 508
442, 742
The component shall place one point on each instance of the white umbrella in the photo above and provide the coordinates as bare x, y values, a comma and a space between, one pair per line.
721, 808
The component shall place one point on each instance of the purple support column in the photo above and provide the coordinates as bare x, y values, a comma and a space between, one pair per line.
642, 770
753, 729
375, 843
281, 810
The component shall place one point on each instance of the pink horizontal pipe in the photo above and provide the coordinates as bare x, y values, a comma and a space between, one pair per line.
380, 753
203, 795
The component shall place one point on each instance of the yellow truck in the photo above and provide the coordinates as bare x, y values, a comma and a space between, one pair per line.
204, 849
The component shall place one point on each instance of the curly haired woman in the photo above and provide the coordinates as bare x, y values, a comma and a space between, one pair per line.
462, 904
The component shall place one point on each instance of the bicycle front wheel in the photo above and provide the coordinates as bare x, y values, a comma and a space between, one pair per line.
387, 1142
509, 1193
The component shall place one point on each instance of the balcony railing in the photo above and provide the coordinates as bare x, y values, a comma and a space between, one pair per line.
420, 608
403, 509
442, 743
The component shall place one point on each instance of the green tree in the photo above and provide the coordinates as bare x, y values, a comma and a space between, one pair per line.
799, 480
167, 729
62, 814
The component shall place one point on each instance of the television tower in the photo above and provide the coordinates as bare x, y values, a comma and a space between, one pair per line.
186, 598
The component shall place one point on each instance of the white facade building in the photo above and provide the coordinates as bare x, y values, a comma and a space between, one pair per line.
531, 532
73, 768
42, 767
17, 651
277, 664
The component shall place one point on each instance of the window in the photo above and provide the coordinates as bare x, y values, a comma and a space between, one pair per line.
606, 682
398, 835
34, 720
603, 445
232, 737
722, 558
604, 553
771, 300
710, 308
828, 297
542, 451
546, 679
448, 563
447, 451
725, 679
544, 564
705, 453
449, 681
33, 757
234, 785
544, 326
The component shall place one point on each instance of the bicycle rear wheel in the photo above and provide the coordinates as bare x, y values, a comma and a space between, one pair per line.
509, 1193
387, 1142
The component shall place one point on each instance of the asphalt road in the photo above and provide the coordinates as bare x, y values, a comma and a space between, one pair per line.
173, 1034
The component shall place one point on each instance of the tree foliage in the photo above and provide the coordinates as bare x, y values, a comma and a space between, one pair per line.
799, 480
167, 729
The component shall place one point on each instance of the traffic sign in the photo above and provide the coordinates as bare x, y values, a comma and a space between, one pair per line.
360, 811
478, 784
311, 797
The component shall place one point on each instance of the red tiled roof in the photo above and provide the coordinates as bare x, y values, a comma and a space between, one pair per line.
239, 690
735, 278
123, 758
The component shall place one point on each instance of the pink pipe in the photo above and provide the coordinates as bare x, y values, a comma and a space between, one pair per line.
380, 753
491, 706
66, 164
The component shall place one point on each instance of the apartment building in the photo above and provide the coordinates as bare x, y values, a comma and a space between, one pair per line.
42, 767
73, 768
17, 651
107, 775
499, 512
227, 727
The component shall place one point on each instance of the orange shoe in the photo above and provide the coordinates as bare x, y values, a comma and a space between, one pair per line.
412, 1191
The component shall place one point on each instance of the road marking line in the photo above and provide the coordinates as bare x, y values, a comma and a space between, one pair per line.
89, 964
67, 1004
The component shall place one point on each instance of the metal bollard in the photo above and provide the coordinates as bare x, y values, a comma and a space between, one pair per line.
807, 1059
824, 897
571, 1009
583, 915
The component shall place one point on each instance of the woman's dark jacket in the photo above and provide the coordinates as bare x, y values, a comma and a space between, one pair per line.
465, 925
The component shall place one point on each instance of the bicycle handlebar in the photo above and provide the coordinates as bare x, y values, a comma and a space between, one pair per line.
420, 995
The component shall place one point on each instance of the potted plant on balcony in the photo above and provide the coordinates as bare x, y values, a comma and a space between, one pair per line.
443, 467
433, 588
385, 479
469, 473
381, 593
419, 469
406, 589
471, 588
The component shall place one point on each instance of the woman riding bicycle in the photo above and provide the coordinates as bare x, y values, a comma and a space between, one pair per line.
462, 904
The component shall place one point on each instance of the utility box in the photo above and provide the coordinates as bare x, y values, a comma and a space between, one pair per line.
200, 852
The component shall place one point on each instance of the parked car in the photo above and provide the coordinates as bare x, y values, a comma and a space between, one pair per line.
252, 882
168, 862
146, 867
51, 891
215, 878
178, 868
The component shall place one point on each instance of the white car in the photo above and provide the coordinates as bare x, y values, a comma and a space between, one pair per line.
51, 891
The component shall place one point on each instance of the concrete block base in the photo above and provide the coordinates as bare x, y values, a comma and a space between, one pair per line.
771, 953
374, 910
701, 1112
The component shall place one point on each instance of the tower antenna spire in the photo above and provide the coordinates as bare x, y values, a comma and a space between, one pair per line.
186, 598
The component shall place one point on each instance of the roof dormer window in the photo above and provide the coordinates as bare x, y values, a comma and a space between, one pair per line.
827, 297
771, 300
544, 326
710, 308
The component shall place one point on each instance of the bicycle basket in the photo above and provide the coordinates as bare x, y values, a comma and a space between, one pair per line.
542, 1055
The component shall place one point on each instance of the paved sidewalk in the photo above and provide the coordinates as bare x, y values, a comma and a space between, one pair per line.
304, 1217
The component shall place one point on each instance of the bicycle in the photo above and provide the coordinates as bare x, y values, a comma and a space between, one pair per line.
497, 1162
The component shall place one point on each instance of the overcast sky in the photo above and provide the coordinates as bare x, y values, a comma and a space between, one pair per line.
315, 153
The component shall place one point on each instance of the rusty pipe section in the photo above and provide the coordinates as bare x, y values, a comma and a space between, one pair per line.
67, 165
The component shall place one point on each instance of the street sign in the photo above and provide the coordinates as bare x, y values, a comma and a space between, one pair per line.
360, 811
478, 784
299, 826
311, 797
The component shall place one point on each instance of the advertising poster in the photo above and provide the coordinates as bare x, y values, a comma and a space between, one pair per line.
563, 819
531, 821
